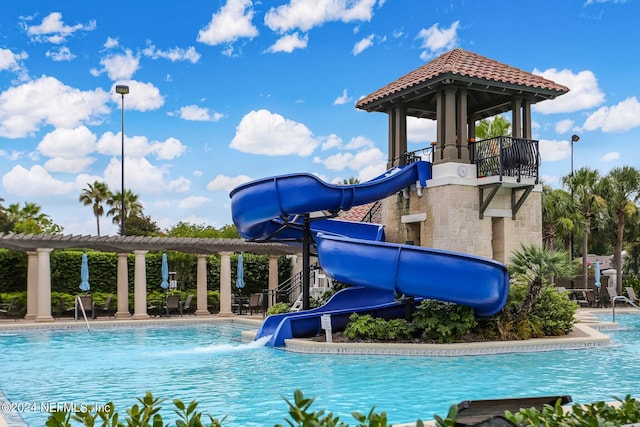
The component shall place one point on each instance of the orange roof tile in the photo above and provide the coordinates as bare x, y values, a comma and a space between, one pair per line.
460, 63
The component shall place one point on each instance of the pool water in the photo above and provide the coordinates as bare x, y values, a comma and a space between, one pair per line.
247, 382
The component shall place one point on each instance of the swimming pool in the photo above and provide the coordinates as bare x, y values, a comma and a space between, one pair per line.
206, 362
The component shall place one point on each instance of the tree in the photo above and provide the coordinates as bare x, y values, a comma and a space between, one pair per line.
621, 190
141, 226
30, 220
352, 180
499, 126
534, 265
133, 207
559, 218
583, 186
185, 229
96, 195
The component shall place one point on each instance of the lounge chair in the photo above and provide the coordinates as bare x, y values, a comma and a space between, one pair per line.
87, 304
173, 305
631, 294
106, 309
187, 303
255, 303
476, 412
239, 304
11, 310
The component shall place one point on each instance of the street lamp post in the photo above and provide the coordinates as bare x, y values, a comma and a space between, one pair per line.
123, 90
574, 138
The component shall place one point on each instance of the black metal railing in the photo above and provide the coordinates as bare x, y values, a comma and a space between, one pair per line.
506, 156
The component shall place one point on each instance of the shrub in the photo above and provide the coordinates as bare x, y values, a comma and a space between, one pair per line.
443, 322
278, 308
368, 328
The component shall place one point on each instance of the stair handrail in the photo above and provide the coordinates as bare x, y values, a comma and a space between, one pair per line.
621, 298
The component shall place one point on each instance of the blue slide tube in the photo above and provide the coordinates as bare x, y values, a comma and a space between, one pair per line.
356, 254
256, 204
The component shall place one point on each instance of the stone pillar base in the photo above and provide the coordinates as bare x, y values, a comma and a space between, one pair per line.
30, 316
140, 316
122, 315
202, 313
227, 314
44, 318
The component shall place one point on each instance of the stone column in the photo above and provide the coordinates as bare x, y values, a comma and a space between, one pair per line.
273, 278
32, 285
44, 285
201, 286
123, 288
225, 284
140, 286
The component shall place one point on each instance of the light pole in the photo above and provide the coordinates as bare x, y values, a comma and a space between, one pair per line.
574, 138
123, 90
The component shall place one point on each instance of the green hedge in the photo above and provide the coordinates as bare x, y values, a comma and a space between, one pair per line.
103, 267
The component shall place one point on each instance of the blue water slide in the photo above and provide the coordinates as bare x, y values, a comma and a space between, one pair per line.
260, 207
355, 299
479, 283
356, 254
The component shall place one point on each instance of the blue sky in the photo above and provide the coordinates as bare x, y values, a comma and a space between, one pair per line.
224, 91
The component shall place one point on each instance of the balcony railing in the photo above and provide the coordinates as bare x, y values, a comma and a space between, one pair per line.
506, 156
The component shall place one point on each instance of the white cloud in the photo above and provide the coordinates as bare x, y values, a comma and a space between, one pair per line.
199, 114
227, 183
139, 146
359, 142
230, 23
583, 92
119, 66
342, 99
421, 130
362, 45
179, 185
289, 43
564, 126
175, 54
553, 150
618, 118
264, 132
11, 61
193, 202
58, 105
62, 54
331, 141
436, 40
34, 182
141, 176
369, 163
141, 96
307, 14
111, 43
68, 149
611, 156
53, 30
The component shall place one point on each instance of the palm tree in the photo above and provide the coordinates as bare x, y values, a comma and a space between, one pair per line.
583, 185
559, 218
621, 190
491, 129
535, 264
95, 194
132, 206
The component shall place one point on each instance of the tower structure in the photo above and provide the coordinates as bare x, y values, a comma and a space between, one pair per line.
484, 197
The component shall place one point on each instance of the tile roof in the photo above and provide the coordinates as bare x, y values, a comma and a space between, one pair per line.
358, 213
461, 64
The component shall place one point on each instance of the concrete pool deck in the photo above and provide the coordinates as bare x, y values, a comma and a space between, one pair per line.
587, 333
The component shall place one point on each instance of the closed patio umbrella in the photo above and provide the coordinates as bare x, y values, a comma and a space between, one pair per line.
84, 274
597, 274
165, 273
240, 273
